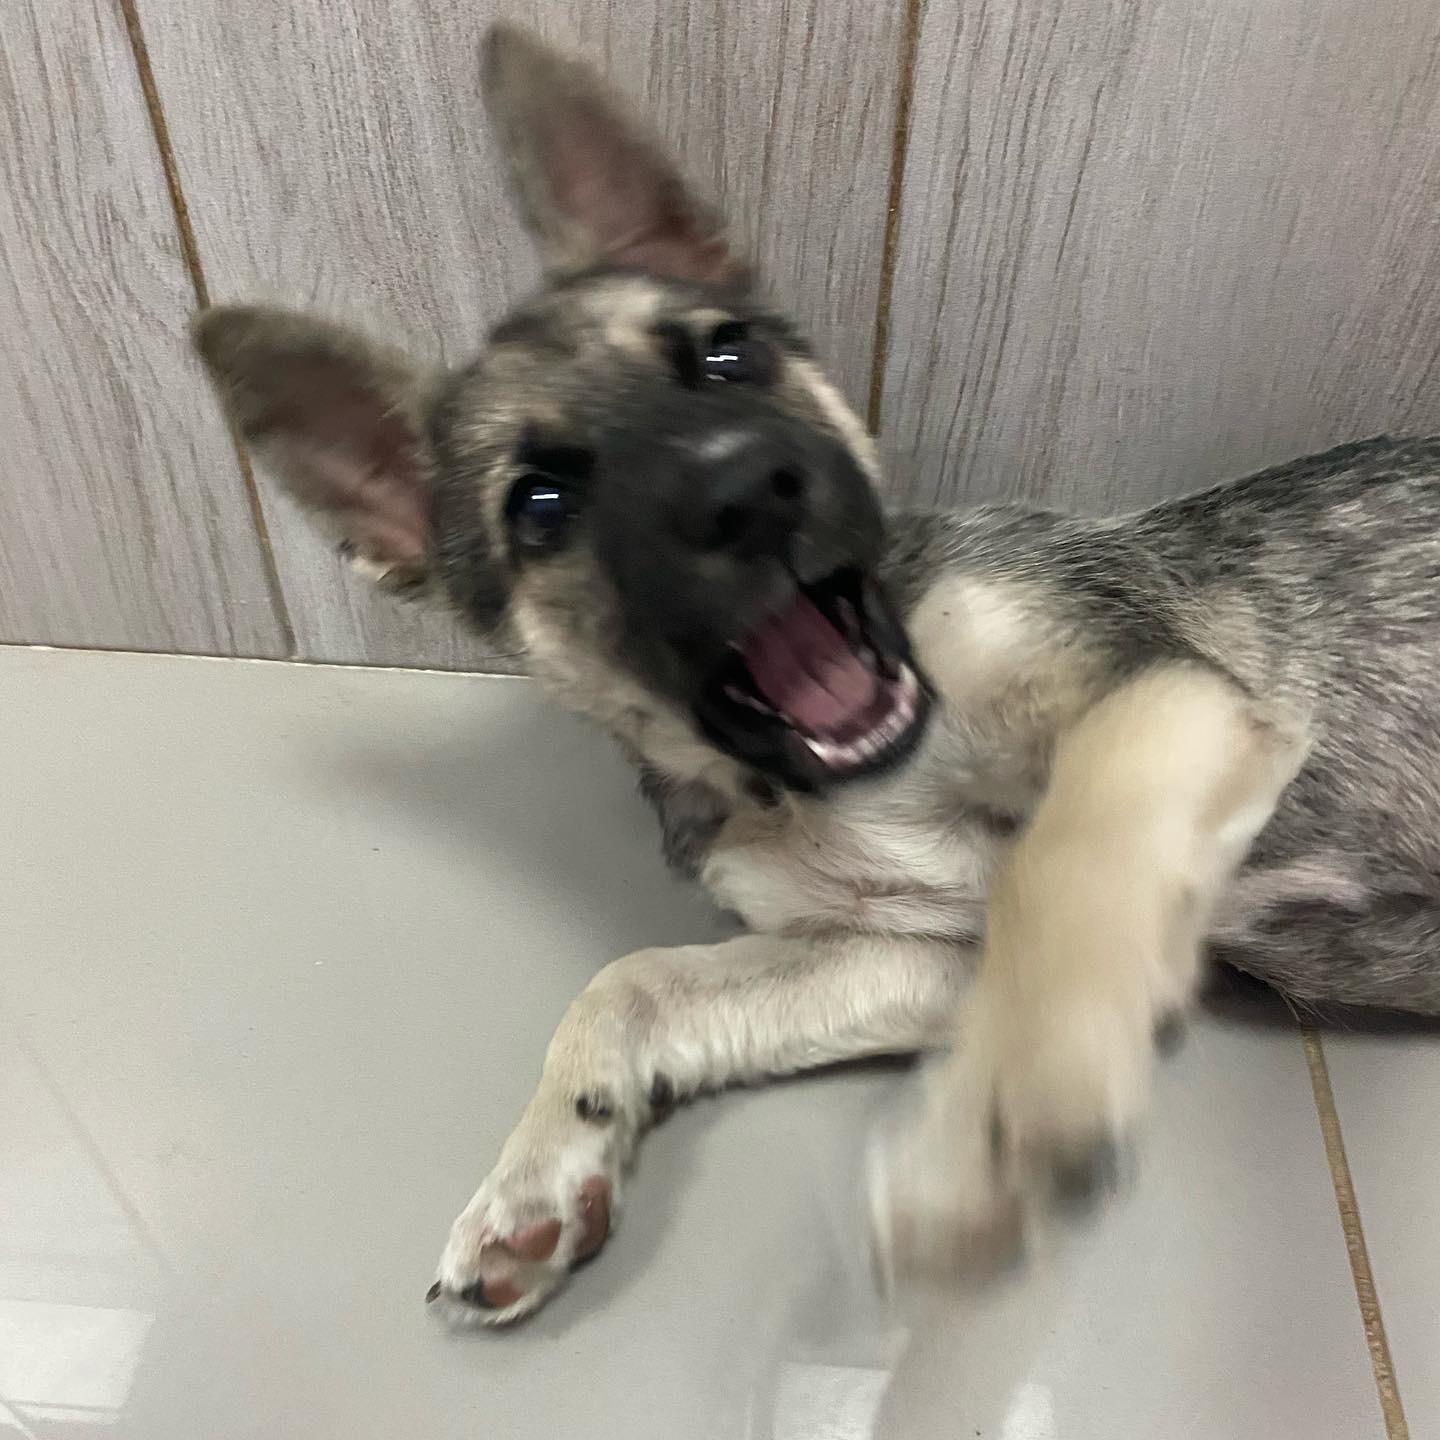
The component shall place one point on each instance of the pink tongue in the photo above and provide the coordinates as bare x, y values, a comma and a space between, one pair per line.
804, 667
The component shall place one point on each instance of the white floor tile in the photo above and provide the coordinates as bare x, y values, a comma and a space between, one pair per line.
284, 946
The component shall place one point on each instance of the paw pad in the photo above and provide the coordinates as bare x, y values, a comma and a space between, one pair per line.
507, 1276
662, 1094
595, 1106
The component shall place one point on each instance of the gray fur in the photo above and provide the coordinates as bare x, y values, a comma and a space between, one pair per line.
1316, 586
691, 816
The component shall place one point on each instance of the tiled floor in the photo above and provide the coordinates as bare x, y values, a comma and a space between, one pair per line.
1387, 1099
283, 946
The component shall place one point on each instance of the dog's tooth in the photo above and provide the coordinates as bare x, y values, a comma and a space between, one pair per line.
735, 693
888, 726
822, 750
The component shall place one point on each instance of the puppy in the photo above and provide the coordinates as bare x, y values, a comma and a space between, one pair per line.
993, 782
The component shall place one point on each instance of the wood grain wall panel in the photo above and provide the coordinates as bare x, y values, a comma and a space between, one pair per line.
1147, 245
123, 517
336, 156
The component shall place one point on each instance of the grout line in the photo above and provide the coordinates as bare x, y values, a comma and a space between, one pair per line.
288, 660
190, 250
188, 246
1396, 1427
149, 1241
12, 1419
899, 150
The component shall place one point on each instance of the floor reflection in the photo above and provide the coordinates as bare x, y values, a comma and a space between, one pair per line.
73, 1364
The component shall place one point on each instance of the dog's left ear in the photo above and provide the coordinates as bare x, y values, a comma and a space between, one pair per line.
595, 186
339, 421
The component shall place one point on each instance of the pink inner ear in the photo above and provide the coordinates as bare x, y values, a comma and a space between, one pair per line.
634, 209
383, 511
350, 456
706, 262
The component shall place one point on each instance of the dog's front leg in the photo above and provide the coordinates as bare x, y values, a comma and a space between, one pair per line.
1093, 938
651, 1029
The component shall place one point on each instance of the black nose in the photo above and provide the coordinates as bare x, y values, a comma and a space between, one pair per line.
742, 491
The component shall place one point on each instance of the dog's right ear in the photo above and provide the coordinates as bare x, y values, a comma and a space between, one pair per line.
339, 422
595, 186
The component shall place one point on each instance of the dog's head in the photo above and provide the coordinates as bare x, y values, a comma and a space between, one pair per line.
644, 476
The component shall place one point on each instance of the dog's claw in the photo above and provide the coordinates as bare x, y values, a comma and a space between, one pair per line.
1081, 1179
1169, 1034
433, 1293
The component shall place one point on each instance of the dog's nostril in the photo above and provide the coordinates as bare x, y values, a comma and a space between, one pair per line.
785, 485
731, 523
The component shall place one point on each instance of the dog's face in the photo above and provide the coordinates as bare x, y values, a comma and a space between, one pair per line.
644, 476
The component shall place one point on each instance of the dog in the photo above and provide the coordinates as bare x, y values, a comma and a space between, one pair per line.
994, 783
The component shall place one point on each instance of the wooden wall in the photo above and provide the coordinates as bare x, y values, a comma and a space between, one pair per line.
124, 519
1091, 252
1149, 243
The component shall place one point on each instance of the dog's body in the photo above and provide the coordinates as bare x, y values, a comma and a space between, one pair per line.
1047, 739
1314, 586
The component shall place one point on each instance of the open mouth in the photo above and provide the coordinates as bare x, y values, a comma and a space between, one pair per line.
827, 677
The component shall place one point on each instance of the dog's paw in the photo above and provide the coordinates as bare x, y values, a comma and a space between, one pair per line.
545, 1207
939, 1203
1015, 1127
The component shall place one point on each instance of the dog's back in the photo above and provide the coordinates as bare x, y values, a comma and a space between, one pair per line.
1316, 586
1321, 588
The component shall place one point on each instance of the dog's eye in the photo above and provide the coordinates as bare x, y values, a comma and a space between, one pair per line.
540, 510
732, 354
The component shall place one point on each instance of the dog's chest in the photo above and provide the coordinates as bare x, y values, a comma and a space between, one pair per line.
888, 864
912, 853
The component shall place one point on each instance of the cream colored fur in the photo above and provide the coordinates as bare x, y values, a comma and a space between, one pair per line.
701, 1016
1094, 927
867, 906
